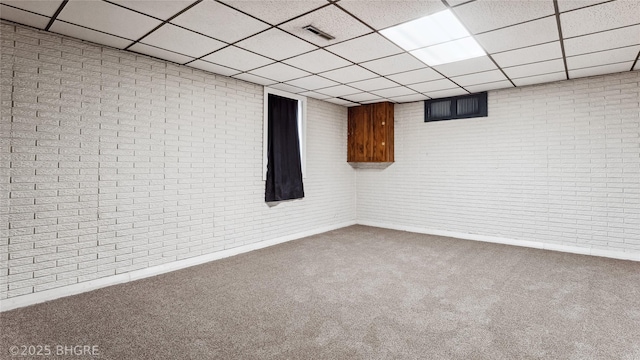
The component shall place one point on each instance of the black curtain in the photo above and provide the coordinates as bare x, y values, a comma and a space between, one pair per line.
284, 170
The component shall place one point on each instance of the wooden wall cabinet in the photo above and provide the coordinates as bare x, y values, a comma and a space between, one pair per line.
370, 136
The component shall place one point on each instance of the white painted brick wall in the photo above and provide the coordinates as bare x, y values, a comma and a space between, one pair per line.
556, 163
113, 162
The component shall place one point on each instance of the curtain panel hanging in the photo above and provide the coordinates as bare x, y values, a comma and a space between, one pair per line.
284, 169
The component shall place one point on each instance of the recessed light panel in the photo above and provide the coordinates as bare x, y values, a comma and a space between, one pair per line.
435, 39
452, 51
429, 30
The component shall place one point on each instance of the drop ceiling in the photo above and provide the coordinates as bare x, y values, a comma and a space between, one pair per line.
526, 41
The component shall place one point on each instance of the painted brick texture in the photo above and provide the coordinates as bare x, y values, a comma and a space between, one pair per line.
555, 163
112, 162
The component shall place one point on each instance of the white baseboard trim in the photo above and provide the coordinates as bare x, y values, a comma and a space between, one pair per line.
52, 294
499, 240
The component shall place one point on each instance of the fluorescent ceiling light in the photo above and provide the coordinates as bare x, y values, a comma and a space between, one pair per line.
429, 30
435, 39
452, 51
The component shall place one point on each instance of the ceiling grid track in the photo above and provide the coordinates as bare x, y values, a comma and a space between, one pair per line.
635, 62
163, 23
55, 15
564, 55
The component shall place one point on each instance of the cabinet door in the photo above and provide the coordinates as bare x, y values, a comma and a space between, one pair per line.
360, 134
382, 129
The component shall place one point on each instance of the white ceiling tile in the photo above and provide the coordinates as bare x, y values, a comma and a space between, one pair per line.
280, 72
315, 95
365, 96
219, 21
484, 15
369, 47
446, 93
312, 82
637, 67
479, 64
109, 18
214, 68
339, 90
161, 9
341, 102
23, 17
603, 57
479, 78
331, 20
160, 53
425, 87
78, 32
543, 67
409, 98
600, 70
415, 76
373, 84
454, 3
276, 44
602, 41
489, 86
182, 41
374, 101
317, 61
42, 7
275, 12
349, 74
237, 58
393, 64
518, 36
393, 92
255, 79
600, 17
539, 79
288, 88
381, 14
530, 54
566, 5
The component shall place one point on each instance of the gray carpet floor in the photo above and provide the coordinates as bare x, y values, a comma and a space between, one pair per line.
356, 293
